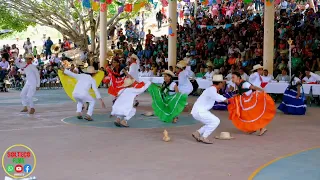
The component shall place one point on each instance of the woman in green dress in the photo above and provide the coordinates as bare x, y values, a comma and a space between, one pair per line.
167, 102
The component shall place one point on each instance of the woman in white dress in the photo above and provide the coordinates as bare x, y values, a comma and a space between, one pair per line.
184, 84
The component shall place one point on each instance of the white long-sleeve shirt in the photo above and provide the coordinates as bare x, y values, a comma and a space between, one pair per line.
134, 71
84, 83
209, 75
255, 79
316, 76
207, 99
31, 72
184, 86
124, 103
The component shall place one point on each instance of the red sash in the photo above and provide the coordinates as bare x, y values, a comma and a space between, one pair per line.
263, 84
26, 66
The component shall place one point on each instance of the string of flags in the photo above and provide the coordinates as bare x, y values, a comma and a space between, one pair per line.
114, 7
225, 26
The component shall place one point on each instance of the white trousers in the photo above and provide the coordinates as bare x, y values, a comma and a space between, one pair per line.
128, 116
210, 121
81, 99
27, 94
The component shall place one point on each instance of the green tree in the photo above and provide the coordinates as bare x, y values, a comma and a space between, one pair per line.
10, 20
66, 16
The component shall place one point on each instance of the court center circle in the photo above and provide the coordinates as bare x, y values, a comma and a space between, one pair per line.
138, 121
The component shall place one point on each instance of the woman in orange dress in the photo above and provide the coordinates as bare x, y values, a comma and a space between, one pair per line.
253, 109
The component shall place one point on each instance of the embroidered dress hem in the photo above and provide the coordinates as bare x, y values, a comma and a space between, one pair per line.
253, 112
291, 105
166, 107
222, 105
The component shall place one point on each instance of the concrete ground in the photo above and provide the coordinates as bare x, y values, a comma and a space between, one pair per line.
70, 152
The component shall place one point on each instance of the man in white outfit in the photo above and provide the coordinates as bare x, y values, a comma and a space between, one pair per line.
32, 82
255, 78
81, 91
123, 106
201, 109
134, 71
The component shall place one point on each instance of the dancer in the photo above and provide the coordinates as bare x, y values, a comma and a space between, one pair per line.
227, 92
134, 72
167, 102
123, 106
255, 78
81, 91
293, 102
252, 109
32, 84
184, 84
201, 109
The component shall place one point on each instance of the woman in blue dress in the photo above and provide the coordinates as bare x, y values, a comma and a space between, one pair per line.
227, 92
293, 101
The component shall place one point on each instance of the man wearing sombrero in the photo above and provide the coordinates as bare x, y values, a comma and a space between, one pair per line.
201, 109
32, 84
81, 91
123, 107
255, 78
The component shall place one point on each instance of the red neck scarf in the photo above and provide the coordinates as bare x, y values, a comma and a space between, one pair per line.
26, 66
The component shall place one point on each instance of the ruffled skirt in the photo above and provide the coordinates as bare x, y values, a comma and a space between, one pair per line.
253, 112
166, 107
291, 105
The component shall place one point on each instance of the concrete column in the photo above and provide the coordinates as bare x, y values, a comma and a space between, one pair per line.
268, 37
103, 37
172, 35
312, 5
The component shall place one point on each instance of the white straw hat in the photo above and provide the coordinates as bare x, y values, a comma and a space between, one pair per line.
168, 72
217, 78
182, 64
134, 56
257, 66
127, 82
28, 56
90, 70
224, 136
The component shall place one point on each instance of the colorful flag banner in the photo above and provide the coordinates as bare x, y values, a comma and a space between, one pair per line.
128, 8
86, 4
112, 9
103, 7
120, 9
136, 7
95, 5
108, 1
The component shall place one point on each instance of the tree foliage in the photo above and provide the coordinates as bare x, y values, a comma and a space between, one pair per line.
9, 20
66, 16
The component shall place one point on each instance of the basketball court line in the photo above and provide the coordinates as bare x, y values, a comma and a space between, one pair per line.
28, 128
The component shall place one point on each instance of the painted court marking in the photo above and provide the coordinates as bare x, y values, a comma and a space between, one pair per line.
257, 171
137, 122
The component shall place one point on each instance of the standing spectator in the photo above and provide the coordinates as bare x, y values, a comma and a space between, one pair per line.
159, 17
48, 45
142, 34
27, 46
283, 6
14, 51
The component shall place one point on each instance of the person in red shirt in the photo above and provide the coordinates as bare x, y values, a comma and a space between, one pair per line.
149, 37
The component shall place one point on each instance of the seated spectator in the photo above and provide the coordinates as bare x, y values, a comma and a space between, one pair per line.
55, 60
283, 76
4, 64
209, 73
308, 78
218, 61
266, 77
201, 73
